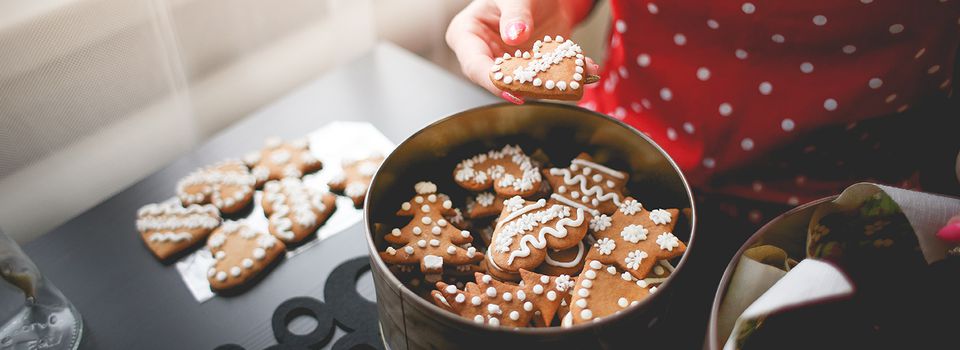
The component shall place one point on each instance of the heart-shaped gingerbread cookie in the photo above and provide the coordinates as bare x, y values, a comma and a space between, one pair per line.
241, 254
553, 70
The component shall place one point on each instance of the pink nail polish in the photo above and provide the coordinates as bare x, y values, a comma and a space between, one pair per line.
950, 233
515, 29
510, 98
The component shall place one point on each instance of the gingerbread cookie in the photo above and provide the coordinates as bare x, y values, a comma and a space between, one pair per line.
278, 160
602, 290
355, 179
429, 239
564, 262
509, 171
295, 211
168, 228
554, 70
634, 239
228, 185
525, 230
240, 253
588, 185
496, 303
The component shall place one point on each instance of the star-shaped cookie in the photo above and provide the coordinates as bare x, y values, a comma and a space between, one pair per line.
496, 303
280, 159
634, 239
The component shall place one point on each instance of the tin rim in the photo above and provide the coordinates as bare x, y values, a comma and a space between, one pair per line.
406, 294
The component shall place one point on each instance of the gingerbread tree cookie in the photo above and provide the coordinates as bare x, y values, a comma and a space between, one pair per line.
278, 160
355, 179
634, 239
555, 70
228, 185
525, 230
509, 171
602, 290
429, 239
294, 210
588, 185
496, 303
241, 254
168, 228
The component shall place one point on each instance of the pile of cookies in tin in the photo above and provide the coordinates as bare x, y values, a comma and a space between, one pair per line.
208, 198
532, 246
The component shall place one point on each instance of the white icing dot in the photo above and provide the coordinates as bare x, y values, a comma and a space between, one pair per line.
422, 243
478, 319
725, 109
521, 295
408, 249
494, 321
447, 204
896, 28
787, 124
460, 298
849, 49
748, 8
595, 264
830, 104
436, 230
741, 54
680, 39
426, 220
819, 20
465, 233
875, 83
491, 292
591, 274
611, 270
432, 198
395, 232
623, 302
425, 208
434, 243
507, 296
666, 94
610, 183
586, 283
235, 271
514, 315
528, 306
418, 199
247, 263
765, 88
549, 85
551, 295
451, 250
582, 303
475, 301
746, 144
538, 289
221, 276
486, 278
641, 283
653, 8
643, 60
441, 222
544, 279
597, 177
586, 314
405, 206
583, 293
806, 67
703, 73
451, 289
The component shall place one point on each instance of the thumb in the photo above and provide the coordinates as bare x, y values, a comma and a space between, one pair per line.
516, 22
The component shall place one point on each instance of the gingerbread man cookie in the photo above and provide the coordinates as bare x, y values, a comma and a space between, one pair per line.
295, 211
278, 160
634, 239
228, 185
509, 171
525, 230
240, 254
588, 185
429, 239
602, 290
168, 228
355, 179
496, 303
554, 70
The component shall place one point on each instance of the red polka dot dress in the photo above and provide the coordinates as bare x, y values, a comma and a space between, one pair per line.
779, 101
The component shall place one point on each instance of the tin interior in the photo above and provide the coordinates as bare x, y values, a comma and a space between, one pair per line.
545, 131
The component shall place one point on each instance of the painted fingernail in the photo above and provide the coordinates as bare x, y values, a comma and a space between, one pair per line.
592, 78
512, 99
515, 29
950, 233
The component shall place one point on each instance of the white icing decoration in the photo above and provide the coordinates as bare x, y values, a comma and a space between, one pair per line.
600, 222
528, 306
551, 295
622, 302
170, 237
591, 274
485, 199
355, 189
526, 221
408, 249
574, 262
529, 176
668, 241
405, 206
634, 233
538, 289
634, 259
425, 187
660, 217
491, 292
432, 262
563, 283
605, 246
630, 206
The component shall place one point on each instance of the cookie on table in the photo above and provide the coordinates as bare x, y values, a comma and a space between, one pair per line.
634, 239
355, 179
588, 185
509, 171
295, 211
496, 303
602, 290
169, 228
429, 239
240, 254
526, 230
228, 185
280, 159
554, 69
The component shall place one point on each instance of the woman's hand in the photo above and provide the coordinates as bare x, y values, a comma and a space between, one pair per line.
487, 28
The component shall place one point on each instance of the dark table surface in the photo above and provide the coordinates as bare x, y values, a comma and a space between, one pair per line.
130, 301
